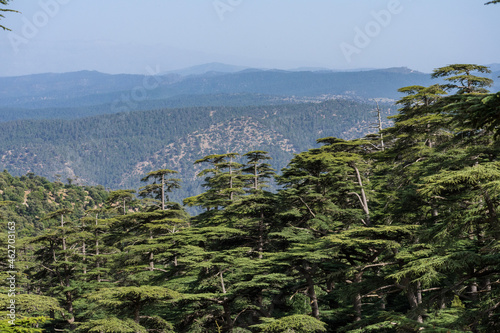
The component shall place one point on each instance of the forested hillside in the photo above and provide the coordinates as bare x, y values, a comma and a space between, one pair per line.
73, 95
396, 231
116, 150
26, 200
180, 101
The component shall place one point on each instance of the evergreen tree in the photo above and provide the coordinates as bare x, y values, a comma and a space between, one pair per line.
319, 193
161, 186
259, 170
137, 303
438, 189
118, 200
295, 323
461, 77
223, 182
223, 250
60, 263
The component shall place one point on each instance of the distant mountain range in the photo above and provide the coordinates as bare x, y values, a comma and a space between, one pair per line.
112, 129
86, 93
63, 95
225, 68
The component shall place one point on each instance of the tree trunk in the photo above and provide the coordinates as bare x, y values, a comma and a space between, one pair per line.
261, 235
69, 307
63, 239
357, 302
486, 284
137, 311
231, 178
151, 262
411, 295
97, 264
84, 259
430, 143
226, 307
312, 296
162, 191
442, 301
473, 291
151, 255
227, 316
364, 201
384, 302
308, 273
419, 292
255, 177
492, 213
223, 286
382, 146
84, 253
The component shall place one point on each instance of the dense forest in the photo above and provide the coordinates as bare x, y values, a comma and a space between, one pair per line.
115, 150
396, 231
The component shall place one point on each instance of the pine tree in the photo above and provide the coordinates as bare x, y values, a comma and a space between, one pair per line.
97, 223
319, 191
442, 190
138, 248
223, 182
161, 185
60, 262
462, 78
118, 200
137, 303
259, 170
139, 237
223, 251
255, 213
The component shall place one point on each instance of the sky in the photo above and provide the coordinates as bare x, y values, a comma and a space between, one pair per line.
155, 36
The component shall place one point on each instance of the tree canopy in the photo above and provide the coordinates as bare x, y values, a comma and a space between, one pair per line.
355, 238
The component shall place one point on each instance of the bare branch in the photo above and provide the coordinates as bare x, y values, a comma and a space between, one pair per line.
308, 208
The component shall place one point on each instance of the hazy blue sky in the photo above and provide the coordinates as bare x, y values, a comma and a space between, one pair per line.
132, 36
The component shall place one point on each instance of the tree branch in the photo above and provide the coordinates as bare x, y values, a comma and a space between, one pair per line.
308, 208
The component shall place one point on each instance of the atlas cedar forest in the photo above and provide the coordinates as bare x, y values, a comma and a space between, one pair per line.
395, 231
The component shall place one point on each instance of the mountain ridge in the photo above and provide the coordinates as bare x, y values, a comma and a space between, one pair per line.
88, 88
107, 149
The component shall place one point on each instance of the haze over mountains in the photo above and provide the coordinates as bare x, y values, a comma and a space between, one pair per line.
128, 92
112, 129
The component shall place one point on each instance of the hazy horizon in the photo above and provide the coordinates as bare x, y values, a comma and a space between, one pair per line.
134, 37
152, 71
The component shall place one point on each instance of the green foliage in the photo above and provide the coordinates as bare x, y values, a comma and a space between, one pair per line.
32, 304
121, 296
356, 238
32, 197
109, 150
293, 324
462, 79
112, 325
161, 186
23, 325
